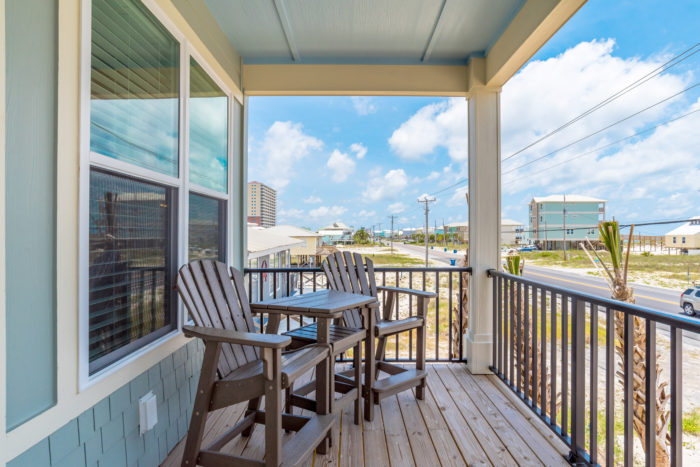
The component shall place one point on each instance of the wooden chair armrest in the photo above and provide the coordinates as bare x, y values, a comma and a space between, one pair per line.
311, 314
417, 293
268, 341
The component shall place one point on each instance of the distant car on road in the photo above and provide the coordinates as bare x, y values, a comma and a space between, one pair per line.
690, 301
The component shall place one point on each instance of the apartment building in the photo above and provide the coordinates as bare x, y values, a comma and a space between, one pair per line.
557, 219
262, 204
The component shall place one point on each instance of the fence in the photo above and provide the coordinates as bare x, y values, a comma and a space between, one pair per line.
547, 347
445, 312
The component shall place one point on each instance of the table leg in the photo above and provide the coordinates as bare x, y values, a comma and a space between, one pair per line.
369, 364
323, 382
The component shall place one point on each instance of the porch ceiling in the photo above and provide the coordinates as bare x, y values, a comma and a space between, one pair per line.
406, 32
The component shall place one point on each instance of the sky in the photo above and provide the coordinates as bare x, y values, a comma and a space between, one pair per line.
360, 160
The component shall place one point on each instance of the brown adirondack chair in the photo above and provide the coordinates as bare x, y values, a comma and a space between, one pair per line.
242, 365
348, 272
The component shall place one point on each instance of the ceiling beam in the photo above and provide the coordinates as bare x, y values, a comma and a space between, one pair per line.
283, 16
434, 35
355, 80
531, 28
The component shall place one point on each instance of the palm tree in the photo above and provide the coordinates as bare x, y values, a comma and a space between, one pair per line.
615, 275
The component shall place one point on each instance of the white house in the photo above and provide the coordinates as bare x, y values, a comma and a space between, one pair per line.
686, 236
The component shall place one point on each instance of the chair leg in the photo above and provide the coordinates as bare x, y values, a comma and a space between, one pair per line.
420, 350
253, 404
200, 410
273, 407
357, 362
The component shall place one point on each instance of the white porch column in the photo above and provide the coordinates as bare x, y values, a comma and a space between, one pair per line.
484, 219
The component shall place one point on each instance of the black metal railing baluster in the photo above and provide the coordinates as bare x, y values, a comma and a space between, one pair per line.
518, 336
533, 338
461, 314
410, 312
553, 358
437, 316
627, 390
543, 352
495, 323
450, 355
594, 386
396, 305
676, 396
650, 393
525, 326
511, 335
564, 365
609, 387
578, 368
501, 331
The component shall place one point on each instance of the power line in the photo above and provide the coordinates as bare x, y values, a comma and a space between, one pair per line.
639, 133
622, 226
652, 74
602, 129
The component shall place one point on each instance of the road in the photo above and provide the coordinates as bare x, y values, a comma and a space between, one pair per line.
656, 298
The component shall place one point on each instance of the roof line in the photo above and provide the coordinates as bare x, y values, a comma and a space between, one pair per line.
283, 16
434, 34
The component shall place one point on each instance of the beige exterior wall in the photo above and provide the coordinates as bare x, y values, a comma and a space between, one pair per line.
311, 246
691, 241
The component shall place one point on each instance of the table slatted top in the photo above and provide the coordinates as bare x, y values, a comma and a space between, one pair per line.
323, 301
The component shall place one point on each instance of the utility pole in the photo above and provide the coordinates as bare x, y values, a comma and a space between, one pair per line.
564, 220
426, 200
392, 217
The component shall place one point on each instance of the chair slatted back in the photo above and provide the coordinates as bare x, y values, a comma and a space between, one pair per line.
213, 299
347, 272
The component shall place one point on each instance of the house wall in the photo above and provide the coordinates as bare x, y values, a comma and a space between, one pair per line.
40, 353
311, 244
691, 241
30, 210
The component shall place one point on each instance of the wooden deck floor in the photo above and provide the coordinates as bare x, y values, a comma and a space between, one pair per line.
464, 419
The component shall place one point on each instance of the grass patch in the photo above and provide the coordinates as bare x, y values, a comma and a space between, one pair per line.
395, 260
691, 422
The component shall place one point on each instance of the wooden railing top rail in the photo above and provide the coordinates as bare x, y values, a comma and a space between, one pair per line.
376, 269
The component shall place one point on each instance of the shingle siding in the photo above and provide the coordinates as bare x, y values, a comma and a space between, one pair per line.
107, 434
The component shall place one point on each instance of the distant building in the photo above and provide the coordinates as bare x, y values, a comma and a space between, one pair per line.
583, 214
268, 250
336, 233
512, 232
686, 236
304, 252
262, 204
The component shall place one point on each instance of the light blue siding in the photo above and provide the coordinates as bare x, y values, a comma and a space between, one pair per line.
30, 168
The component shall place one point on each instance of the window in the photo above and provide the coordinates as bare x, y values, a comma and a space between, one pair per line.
137, 198
131, 264
674, 239
682, 239
697, 294
207, 228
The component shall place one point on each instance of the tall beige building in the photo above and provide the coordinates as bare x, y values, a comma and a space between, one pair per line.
262, 204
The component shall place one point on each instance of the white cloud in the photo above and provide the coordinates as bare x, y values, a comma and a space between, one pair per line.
326, 211
284, 146
385, 186
458, 198
340, 165
359, 150
363, 105
365, 214
442, 124
291, 213
654, 174
397, 208
312, 199
432, 176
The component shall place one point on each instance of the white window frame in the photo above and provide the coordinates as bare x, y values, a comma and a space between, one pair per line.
89, 159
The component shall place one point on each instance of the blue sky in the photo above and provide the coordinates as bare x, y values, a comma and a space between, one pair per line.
360, 160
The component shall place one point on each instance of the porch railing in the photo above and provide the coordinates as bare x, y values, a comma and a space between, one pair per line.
445, 313
548, 344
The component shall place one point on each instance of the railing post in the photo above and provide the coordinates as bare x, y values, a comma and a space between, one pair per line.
578, 388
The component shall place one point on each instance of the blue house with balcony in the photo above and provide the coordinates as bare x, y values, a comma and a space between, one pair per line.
556, 219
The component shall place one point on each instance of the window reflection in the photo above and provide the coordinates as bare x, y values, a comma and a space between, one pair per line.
134, 87
207, 225
208, 118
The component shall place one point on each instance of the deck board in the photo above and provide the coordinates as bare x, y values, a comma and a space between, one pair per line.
464, 419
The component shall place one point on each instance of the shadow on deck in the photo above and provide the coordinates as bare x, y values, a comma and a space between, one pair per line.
464, 419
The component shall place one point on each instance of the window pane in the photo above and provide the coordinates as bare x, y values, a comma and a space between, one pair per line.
208, 130
131, 262
207, 228
134, 87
